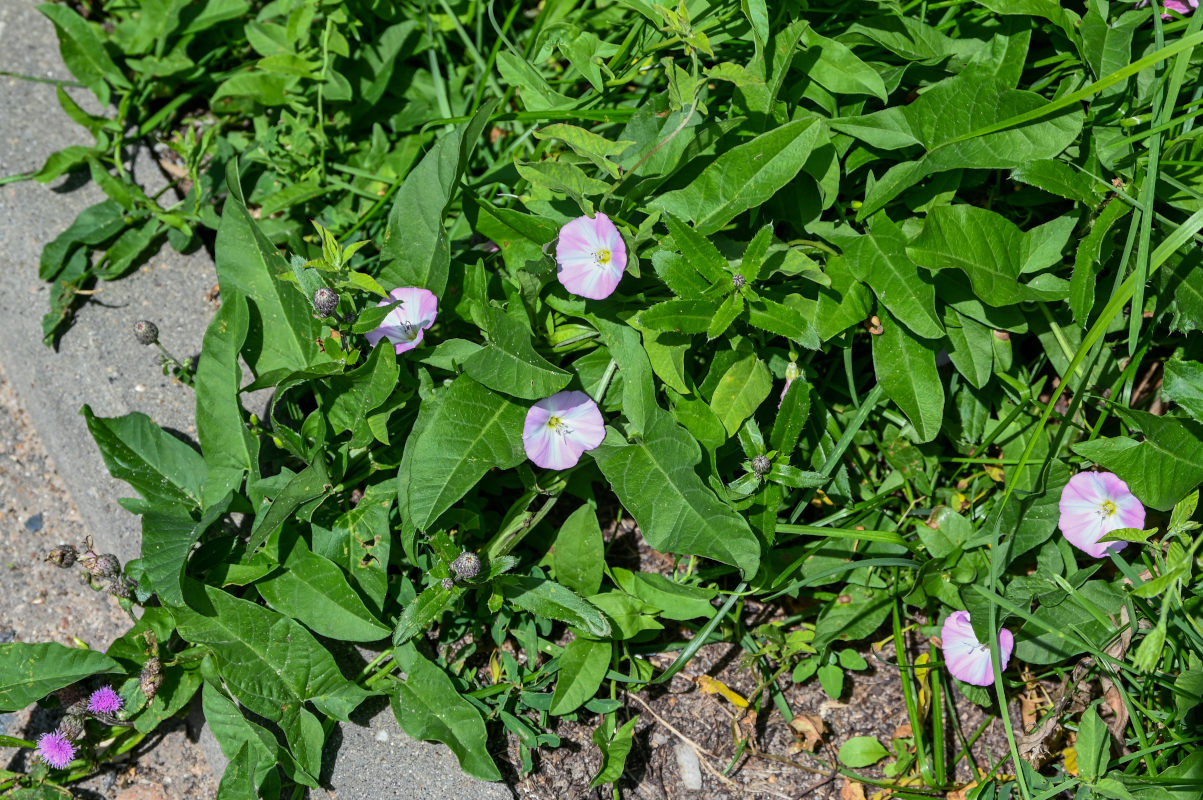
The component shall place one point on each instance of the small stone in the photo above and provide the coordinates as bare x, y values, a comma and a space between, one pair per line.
34, 523
146, 332
761, 465
325, 301
690, 769
382, 736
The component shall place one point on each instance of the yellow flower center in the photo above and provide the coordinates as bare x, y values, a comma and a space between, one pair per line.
1108, 508
555, 423
603, 257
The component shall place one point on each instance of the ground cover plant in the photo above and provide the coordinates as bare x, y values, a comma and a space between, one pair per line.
885, 310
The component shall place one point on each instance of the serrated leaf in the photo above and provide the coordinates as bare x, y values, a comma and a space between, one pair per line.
29, 672
551, 600
699, 252
727, 313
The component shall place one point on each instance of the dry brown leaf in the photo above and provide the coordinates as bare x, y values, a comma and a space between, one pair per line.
962, 793
809, 729
851, 790
904, 731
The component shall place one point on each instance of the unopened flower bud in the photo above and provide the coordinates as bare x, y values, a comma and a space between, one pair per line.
63, 556
146, 332
104, 565
466, 566
447, 584
761, 465
73, 695
151, 678
118, 587
72, 726
739, 281
325, 300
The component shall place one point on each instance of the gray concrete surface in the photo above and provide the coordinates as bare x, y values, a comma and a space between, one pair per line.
100, 364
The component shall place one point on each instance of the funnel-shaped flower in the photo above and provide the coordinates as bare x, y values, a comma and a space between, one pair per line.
1183, 7
105, 701
967, 658
560, 428
55, 749
591, 256
1094, 504
405, 324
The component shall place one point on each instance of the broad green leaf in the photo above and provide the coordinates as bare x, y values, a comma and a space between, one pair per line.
727, 313
862, 751
744, 176
167, 541
674, 600
583, 667
838, 70
271, 664
1183, 384
1059, 178
1160, 470
234, 733
579, 553
94, 225
283, 332
681, 316
1093, 745
428, 706
535, 92
792, 412
348, 399
454, 443
741, 390
986, 246
313, 591
783, 320
29, 672
1092, 253
129, 249
629, 616
551, 600
560, 176
879, 258
416, 251
655, 480
969, 347
83, 51
359, 541
638, 389
308, 485
157, 465
1068, 626
421, 612
699, 252
62, 161
509, 363
616, 747
906, 370
230, 450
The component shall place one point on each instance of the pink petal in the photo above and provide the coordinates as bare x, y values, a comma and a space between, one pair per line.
578, 270
418, 310
557, 449
965, 656
1081, 520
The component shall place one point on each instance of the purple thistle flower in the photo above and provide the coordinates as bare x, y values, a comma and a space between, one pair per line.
407, 323
105, 701
55, 749
591, 256
968, 659
560, 428
1093, 504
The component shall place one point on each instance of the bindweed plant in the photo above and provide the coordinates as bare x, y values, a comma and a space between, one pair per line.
890, 308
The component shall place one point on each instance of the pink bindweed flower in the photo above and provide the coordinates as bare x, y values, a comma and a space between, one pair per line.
592, 256
1183, 8
968, 659
560, 428
105, 701
405, 325
1094, 504
55, 749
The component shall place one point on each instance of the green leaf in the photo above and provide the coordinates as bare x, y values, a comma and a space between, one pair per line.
304, 487
615, 749
698, 251
986, 246
428, 706
421, 612
745, 176
271, 664
579, 553
741, 390
94, 225
1093, 745
1163, 468
129, 248
157, 465
831, 678
862, 751
560, 176
313, 591
61, 161
682, 316
1183, 383
783, 320
359, 541
655, 480
415, 251
230, 450
629, 616
536, 94
167, 540
453, 444
83, 51
551, 600
234, 733
638, 389
283, 332
1059, 178
970, 347
349, 399
583, 667
906, 370
673, 600
29, 672
509, 362
791, 416
838, 70
879, 258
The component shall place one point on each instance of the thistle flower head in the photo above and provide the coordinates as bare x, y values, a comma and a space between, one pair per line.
738, 281
761, 465
146, 332
105, 701
151, 678
63, 556
72, 727
325, 301
466, 566
55, 749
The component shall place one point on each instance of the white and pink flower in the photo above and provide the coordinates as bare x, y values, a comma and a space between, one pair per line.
405, 325
1094, 504
559, 429
591, 256
968, 659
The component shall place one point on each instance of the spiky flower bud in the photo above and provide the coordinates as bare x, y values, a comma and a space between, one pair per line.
63, 556
72, 727
447, 584
118, 587
104, 565
146, 332
739, 281
466, 566
72, 696
761, 465
325, 300
151, 678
